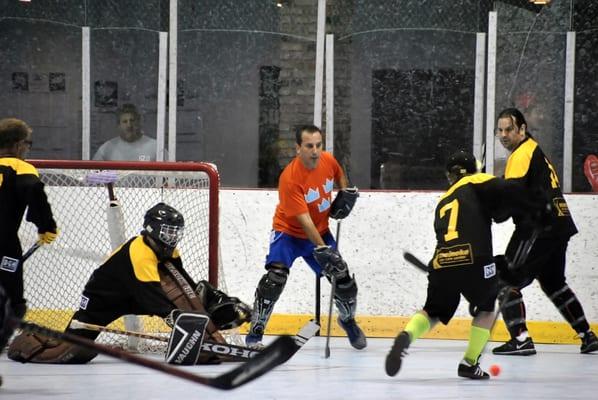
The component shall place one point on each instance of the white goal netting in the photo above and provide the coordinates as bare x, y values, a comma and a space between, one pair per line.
56, 274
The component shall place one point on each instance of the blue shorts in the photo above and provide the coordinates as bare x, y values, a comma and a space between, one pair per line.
284, 249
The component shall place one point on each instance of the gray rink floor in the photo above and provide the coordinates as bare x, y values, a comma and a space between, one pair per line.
428, 372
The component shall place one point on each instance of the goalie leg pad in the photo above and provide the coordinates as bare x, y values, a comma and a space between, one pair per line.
186, 338
225, 311
267, 293
345, 297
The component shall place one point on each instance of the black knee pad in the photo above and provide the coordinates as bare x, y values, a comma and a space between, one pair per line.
569, 306
272, 283
345, 297
513, 310
346, 288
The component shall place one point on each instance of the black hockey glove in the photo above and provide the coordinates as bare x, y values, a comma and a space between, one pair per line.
331, 262
510, 275
343, 203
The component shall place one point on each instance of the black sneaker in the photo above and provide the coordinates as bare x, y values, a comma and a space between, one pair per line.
589, 342
516, 348
467, 370
354, 332
397, 352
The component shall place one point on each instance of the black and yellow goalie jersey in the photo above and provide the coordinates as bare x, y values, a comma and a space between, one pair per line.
529, 166
464, 214
128, 282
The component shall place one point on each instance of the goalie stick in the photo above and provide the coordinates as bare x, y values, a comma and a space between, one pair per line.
236, 353
116, 232
277, 353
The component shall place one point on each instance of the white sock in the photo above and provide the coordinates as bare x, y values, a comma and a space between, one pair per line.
522, 336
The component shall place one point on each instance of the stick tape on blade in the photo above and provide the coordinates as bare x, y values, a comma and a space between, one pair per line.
101, 177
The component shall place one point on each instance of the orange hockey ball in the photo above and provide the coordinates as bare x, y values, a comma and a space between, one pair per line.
495, 370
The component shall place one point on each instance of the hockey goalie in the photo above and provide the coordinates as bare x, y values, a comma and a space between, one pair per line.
145, 276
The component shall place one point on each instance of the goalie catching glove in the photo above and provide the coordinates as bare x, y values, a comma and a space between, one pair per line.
226, 312
343, 203
331, 262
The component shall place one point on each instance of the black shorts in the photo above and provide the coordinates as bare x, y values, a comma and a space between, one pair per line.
478, 284
545, 262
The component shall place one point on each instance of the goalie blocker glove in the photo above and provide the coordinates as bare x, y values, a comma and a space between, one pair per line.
186, 338
343, 203
331, 262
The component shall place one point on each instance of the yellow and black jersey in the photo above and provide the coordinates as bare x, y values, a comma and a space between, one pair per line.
464, 215
528, 165
20, 189
128, 282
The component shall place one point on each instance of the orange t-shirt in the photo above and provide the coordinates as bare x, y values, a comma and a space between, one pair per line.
301, 190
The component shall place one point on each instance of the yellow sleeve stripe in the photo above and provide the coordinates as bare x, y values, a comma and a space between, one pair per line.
144, 261
21, 167
475, 179
519, 161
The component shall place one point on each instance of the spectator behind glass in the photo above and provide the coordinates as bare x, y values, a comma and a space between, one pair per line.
131, 144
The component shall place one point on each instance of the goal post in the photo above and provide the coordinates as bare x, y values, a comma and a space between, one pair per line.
83, 196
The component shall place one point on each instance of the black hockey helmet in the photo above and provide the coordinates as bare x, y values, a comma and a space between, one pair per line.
460, 163
165, 226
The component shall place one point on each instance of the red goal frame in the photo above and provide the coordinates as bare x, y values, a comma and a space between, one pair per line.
207, 168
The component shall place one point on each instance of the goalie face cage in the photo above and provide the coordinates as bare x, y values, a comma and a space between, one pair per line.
56, 274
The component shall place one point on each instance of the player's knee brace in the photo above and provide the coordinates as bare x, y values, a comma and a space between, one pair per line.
345, 297
569, 306
513, 310
272, 283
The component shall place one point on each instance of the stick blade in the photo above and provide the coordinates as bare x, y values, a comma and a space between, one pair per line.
277, 353
416, 262
101, 177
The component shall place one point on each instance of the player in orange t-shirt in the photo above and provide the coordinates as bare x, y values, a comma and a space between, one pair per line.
300, 229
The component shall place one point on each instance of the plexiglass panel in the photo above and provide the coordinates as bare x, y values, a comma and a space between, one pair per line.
530, 72
246, 81
124, 56
40, 66
405, 78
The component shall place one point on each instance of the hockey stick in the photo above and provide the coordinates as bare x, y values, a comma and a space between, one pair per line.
332, 291
236, 353
278, 352
30, 252
416, 262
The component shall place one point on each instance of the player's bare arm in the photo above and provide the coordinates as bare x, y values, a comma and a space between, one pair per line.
310, 229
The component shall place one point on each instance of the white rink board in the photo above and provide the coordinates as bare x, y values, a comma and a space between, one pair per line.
372, 240
373, 237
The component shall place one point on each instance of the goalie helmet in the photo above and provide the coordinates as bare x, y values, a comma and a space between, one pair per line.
165, 226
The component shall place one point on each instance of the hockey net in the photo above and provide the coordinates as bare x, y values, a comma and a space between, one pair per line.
56, 274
